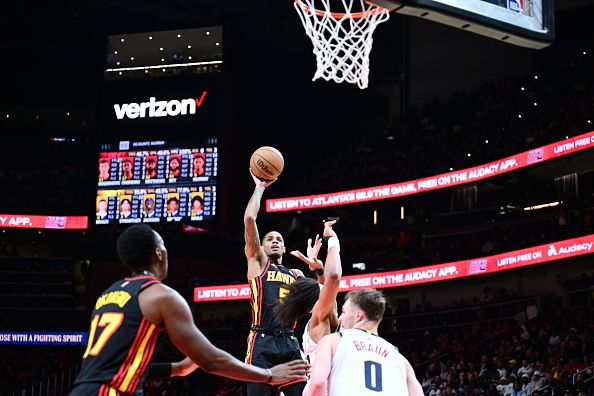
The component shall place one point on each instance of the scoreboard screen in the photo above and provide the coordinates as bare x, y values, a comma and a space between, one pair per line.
527, 23
155, 181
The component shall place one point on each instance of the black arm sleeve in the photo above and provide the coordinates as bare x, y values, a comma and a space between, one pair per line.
159, 371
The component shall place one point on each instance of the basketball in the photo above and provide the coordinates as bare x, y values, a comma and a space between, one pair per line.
267, 163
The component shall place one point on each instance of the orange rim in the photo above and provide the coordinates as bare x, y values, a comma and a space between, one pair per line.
340, 15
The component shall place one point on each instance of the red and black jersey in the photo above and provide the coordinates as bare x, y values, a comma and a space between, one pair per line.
121, 341
266, 289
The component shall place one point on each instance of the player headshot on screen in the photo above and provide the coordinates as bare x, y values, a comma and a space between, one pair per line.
197, 206
102, 209
104, 170
199, 162
149, 207
151, 168
173, 207
174, 167
125, 208
127, 173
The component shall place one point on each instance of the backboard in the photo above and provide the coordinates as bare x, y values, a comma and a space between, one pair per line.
527, 23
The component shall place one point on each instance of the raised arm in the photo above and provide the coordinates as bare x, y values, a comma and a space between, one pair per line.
178, 322
256, 259
323, 364
332, 273
413, 385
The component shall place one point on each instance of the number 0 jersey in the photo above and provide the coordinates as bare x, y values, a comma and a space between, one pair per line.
366, 364
121, 341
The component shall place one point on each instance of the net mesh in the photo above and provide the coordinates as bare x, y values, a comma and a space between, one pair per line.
341, 41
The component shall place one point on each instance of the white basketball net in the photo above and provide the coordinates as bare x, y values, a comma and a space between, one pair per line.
341, 41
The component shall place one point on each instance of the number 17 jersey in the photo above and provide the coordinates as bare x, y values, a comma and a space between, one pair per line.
121, 342
366, 364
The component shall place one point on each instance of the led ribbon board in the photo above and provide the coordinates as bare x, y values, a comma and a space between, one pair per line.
44, 222
444, 180
433, 273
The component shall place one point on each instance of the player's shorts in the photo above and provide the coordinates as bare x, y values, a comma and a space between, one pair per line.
94, 389
267, 349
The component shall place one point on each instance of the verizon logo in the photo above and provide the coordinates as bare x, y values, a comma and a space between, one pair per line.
158, 108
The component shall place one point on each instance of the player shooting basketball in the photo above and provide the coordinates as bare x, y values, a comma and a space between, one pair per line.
269, 342
304, 295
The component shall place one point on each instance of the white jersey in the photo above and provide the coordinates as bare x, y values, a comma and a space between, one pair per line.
309, 345
366, 364
309, 351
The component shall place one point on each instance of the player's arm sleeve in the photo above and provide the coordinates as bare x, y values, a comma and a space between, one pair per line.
158, 371
332, 274
321, 369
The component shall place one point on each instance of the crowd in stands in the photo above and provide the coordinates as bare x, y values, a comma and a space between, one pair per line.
421, 240
24, 366
503, 118
496, 350
45, 177
550, 354
523, 350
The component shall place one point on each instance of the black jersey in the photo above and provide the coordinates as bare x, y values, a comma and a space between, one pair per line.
121, 341
266, 289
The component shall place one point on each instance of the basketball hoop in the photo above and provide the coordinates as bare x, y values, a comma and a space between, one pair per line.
341, 41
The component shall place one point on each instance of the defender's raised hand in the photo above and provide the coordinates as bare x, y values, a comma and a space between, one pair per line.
311, 259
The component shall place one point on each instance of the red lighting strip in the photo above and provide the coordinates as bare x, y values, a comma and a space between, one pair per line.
444, 180
433, 273
44, 222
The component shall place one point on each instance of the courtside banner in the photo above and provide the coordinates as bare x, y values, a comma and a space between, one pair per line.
433, 273
444, 180
42, 338
47, 222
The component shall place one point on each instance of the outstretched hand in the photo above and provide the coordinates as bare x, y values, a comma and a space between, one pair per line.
291, 371
311, 259
260, 182
328, 231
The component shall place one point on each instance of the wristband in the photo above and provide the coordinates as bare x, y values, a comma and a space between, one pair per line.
319, 272
269, 375
333, 242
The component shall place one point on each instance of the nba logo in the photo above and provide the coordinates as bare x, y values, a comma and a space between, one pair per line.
476, 266
55, 222
515, 5
535, 155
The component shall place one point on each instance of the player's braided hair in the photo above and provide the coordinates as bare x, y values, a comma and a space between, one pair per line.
136, 246
298, 302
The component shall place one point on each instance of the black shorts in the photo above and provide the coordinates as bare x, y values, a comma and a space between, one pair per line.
95, 389
269, 350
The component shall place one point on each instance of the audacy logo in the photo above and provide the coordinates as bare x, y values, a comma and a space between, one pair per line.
552, 251
158, 108
578, 247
